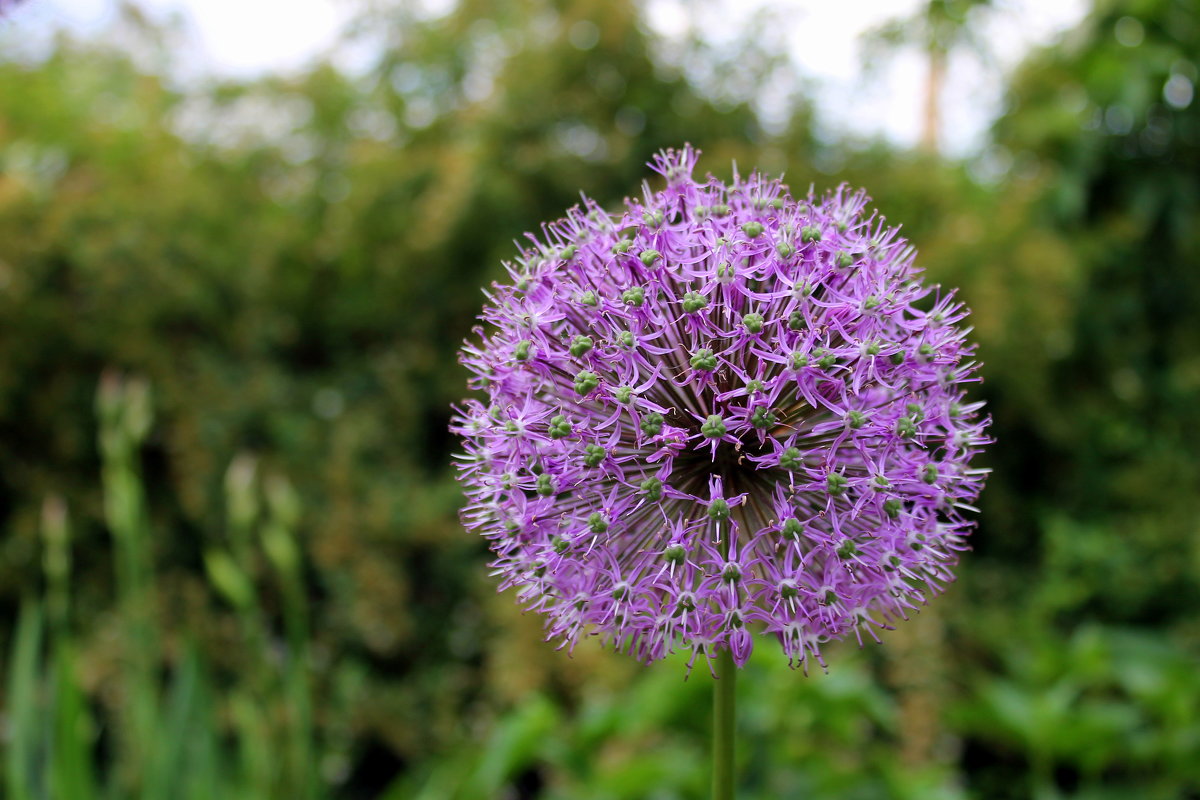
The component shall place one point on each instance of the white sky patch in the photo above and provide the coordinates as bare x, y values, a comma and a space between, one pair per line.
244, 38
229, 37
824, 40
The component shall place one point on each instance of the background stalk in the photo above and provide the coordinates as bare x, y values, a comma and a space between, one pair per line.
724, 726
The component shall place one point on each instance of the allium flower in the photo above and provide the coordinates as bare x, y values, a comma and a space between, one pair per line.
720, 412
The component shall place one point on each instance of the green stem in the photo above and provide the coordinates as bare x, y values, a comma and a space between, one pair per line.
724, 726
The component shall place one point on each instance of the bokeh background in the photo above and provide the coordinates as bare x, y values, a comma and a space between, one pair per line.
230, 565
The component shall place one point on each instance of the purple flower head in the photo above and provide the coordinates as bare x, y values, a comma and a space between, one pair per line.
721, 413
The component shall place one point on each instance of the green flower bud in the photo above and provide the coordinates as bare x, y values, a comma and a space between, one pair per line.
625, 339
622, 394
752, 229
777, 203
593, 455
652, 488
788, 590
581, 345
880, 483
713, 427
597, 523
825, 359
634, 296
725, 272
693, 302
763, 417
897, 357
796, 321
652, 424
648, 257
586, 382
785, 250
559, 544
925, 350
835, 484
568, 252
799, 360
652, 219
720, 210
891, 507
754, 385
622, 246
843, 259
545, 485
829, 598
790, 459
791, 528
732, 573
930, 473
753, 323
847, 549
718, 510
589, 298
521, 351
906, 428
704, 360
871, 302
675, 554
804, 288
810, 233
857, 419
915, 411
559, 427
873, 349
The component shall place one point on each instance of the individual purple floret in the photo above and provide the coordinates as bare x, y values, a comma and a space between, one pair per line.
722, 412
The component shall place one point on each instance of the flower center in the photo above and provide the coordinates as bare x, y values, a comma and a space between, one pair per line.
729, 462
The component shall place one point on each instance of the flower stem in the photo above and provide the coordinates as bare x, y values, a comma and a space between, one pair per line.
724, 726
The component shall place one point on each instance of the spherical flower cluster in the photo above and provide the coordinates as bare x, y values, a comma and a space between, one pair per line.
720, 412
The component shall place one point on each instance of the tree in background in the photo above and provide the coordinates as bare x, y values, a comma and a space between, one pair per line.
1107, 128
937, 29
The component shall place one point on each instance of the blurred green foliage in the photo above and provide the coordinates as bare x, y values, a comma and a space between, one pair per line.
228, 322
